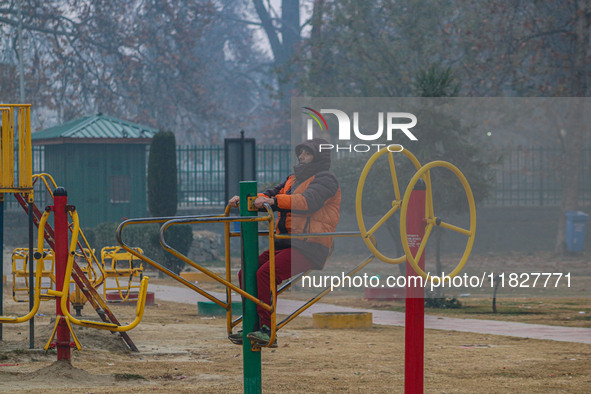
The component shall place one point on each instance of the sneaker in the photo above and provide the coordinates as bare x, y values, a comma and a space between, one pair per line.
261, 337
236, 338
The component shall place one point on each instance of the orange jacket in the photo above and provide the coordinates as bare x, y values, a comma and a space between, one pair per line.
312, 207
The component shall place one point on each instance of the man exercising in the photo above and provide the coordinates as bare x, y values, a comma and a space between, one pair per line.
308, 201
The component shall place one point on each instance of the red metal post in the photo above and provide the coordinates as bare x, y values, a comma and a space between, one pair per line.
414, 331
60, 202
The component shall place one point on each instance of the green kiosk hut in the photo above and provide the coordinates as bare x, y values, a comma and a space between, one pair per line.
101, 161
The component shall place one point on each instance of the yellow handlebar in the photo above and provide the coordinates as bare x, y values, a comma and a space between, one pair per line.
141, 303
38, 275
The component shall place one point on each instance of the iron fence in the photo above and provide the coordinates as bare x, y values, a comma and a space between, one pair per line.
201, 172
532, 176
527, 176
273, 164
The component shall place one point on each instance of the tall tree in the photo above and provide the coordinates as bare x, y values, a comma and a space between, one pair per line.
284, 37
176, 64
163, 198
536, 49
371, 48
283, 32
500, 47
162, 175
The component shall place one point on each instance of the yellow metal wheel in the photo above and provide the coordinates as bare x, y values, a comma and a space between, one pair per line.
366, 234
432, 220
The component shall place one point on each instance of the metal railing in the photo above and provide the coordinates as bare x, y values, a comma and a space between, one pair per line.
201, 172
527, 176
532, 176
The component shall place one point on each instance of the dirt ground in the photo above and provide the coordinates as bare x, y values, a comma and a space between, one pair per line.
180, 351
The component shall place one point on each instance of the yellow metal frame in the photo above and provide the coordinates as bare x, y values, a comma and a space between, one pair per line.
432, 220
37, 295
227, 282
112, 258
63, 294
226, 219
19, 114
20, 269
85, 251
37, 302
149, 261
367, 234
229, 286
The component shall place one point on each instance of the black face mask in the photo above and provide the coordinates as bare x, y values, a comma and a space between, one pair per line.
305, 171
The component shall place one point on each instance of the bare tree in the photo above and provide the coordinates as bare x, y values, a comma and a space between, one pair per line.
176, 64
498, 47
284, 37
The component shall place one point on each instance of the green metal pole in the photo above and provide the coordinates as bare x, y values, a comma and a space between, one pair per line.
251, 360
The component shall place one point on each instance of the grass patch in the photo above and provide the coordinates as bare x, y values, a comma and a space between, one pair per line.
551, 311
548, 311
128, 376
510, 310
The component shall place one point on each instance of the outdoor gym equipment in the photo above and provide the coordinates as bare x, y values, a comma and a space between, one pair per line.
118, 263
89, 264
396, 203
65, 278
417, 219
423, 172
415, 230
115, 263
37, 301
16, 178
20, 116
166, 222
20, 269
432, 220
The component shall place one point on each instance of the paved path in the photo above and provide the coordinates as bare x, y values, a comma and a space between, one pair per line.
537, 331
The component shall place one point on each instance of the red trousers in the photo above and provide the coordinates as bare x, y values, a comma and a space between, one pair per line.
288, 262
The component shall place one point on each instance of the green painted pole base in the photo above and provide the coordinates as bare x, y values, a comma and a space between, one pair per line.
251, 360
210, 308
